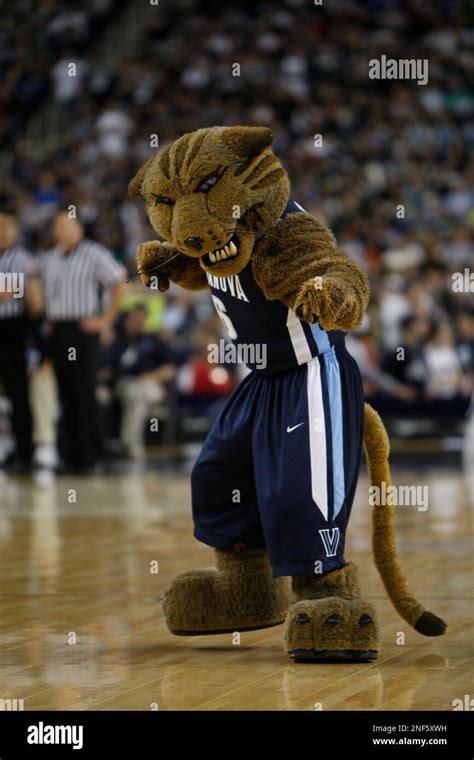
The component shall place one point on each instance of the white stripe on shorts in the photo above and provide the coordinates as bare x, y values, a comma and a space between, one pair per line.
317, 437
298, 338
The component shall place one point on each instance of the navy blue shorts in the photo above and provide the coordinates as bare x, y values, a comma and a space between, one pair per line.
280, 465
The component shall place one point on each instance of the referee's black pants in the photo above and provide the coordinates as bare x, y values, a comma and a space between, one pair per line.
14, 379
75, 357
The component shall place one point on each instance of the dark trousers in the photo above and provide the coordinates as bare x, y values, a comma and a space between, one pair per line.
14, 378
75, 359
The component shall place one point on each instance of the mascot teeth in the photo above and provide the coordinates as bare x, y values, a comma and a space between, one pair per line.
227, 252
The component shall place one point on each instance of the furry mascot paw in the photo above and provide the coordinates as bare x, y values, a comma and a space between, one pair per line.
153, 266
240, 595
325, 300
158, 263
331, 622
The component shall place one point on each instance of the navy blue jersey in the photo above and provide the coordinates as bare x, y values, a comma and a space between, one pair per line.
250, 319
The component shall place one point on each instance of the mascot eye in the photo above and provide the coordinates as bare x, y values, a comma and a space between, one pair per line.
205, 186
163, 199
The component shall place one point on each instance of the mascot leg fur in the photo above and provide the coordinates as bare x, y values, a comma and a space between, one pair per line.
330, 620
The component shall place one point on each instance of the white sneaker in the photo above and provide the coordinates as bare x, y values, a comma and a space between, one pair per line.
46, 455
136, 452
6, 448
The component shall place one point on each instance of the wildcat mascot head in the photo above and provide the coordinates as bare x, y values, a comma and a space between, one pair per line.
213, 192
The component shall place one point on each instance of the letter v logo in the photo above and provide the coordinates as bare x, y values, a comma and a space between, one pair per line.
330, 539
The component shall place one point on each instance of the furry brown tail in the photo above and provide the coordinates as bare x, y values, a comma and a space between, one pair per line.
377, 449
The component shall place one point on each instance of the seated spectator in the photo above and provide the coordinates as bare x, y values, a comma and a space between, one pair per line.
375, 380
407, 367
430, 368
141, 365
203, 387
465, 342
444, 375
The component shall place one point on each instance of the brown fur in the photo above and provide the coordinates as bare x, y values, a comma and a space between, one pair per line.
287, 256
240, 594
332, 629
152, 258
343, 582
331, 620
377, 449
299, 249
249, 197
297, 261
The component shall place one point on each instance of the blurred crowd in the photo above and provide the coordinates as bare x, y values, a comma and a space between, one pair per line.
34, 39
392, 173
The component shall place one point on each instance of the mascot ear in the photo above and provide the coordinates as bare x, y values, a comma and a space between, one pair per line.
248, 141
135, 184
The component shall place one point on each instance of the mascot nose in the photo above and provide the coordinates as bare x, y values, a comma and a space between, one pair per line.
193, 242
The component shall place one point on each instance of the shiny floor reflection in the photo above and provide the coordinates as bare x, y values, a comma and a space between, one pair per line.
84, 561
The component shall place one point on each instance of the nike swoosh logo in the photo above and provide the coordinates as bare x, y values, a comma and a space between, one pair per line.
290, 429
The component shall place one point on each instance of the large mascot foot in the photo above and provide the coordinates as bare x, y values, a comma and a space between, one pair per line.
331, 622
240, 595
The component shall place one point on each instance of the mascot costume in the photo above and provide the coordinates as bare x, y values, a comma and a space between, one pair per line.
273, 486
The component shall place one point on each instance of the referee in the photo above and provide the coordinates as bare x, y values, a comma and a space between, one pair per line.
20, 297
79, 275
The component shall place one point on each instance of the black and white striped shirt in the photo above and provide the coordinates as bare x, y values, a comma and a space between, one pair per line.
73, 282
17, 267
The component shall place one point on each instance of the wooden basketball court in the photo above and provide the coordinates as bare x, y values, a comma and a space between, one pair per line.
81, 626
